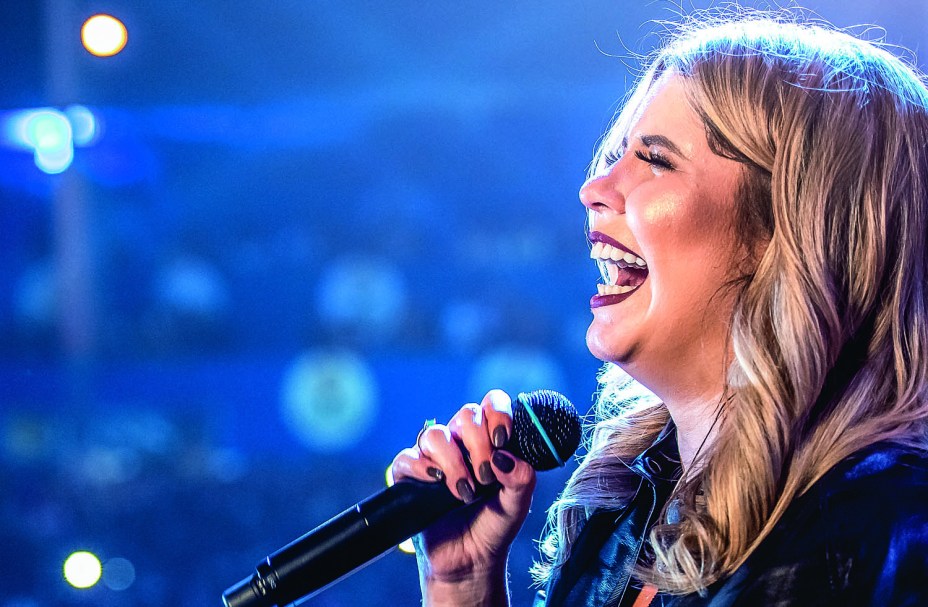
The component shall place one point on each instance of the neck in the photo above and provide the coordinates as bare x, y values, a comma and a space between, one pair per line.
694, 408
693, 395
696, 426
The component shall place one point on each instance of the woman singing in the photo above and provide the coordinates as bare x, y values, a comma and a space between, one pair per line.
759, 214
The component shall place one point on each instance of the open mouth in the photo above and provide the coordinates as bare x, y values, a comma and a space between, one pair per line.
622, 270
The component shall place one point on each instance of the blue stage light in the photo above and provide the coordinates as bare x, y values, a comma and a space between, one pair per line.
54, 161
329, 399
48, 130
50, 134
118, 574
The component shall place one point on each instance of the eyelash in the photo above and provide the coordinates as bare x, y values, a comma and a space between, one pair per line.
655, 159
652, 158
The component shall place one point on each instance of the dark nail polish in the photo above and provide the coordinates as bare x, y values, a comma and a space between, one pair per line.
435, 473
486, 473
499, 437
466, 491
503, 461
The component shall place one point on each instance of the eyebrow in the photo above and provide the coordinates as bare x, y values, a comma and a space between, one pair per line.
649, 140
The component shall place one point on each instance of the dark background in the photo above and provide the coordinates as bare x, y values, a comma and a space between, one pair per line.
305, 227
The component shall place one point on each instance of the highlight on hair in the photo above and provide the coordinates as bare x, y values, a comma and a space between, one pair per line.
829, 333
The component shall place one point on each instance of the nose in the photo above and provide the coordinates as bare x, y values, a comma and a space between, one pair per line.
600, 194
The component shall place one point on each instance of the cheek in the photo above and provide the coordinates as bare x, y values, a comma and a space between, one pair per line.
660, 225
653, 200
682, 227
665, 213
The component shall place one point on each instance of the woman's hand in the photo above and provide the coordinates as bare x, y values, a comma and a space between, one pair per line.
462, 558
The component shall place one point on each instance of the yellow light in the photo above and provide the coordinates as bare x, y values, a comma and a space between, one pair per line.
407, 547
104, 35
82, 569
388, 476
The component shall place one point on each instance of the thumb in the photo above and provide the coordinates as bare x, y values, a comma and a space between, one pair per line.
517, 479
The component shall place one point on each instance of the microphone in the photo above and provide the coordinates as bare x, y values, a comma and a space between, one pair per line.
545, 433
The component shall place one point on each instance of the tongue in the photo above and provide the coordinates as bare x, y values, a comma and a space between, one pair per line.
628, 277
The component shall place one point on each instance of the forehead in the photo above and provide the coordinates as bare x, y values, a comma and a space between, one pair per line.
661, 108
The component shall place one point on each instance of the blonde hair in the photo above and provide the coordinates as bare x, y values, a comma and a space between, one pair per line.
829, 331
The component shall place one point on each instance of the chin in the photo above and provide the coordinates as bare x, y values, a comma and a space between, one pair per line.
601, 344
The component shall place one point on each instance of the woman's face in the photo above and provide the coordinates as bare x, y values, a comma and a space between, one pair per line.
664, 203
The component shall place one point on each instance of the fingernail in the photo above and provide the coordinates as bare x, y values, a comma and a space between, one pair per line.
499, 437
503, 461
435, 473
464, 488
486, 473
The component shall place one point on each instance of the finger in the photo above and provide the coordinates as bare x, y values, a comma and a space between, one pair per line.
511, 472
438, 444
517, 479
412, 463
467, 426
497, 413
516, 476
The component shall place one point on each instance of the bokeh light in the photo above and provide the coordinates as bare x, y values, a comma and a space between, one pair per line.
82, 569
363, 296
118, 574
47, 132
407, 547
329, 399
54, 161
515, 367
84, 128
104, 35
50, 134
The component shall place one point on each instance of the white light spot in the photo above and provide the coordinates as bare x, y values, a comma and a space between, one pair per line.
82, 569
104, 35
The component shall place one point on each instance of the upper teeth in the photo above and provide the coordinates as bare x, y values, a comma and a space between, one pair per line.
607, 252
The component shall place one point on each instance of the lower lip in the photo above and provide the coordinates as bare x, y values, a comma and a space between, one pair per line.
598, 301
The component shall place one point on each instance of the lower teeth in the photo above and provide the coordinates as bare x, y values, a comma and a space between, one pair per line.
614, 289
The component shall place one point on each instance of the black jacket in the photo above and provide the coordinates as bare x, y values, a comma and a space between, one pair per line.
858, 537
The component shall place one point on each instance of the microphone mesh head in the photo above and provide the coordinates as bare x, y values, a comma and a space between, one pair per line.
560, 421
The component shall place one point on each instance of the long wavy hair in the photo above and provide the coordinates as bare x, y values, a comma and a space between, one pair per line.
830, 327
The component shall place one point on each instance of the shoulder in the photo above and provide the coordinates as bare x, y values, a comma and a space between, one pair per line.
881, 486
859, 535
878, 463
875, 490
874, 513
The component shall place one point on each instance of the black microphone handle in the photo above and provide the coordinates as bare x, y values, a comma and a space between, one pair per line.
344, 543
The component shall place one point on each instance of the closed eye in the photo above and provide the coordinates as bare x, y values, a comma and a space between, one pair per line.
655, 159
610, 158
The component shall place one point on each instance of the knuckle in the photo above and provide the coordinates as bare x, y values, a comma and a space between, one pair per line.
410, 453
435, 434
465, 414
497, 401
525, 476
497, 395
